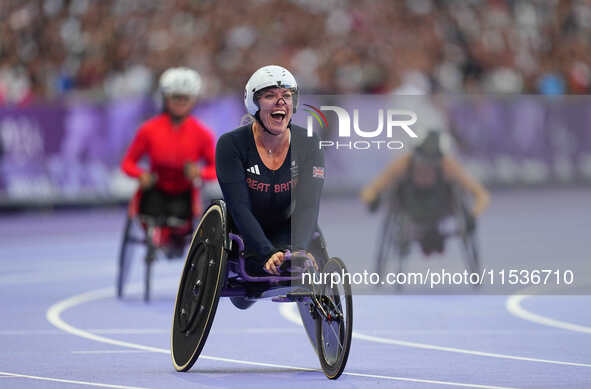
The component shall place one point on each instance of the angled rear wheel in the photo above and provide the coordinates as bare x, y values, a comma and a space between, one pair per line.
131, 244
334, 322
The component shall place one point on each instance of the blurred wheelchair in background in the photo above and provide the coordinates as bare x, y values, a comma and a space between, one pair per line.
428, 223
215, 267
150, 238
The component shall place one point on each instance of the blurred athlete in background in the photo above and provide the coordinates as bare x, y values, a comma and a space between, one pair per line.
180, 150
423, 181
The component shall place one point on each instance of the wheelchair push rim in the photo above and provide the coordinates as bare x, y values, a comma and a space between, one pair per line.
468, 236
130, 244
334, 321
305, 308
199, 290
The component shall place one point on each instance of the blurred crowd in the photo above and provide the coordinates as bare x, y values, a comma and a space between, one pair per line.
109, 49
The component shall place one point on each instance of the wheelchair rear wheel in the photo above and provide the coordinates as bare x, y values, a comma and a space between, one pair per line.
468, 236
199, 290
148, 261
334, 322
318, 250
393, 242
385, 244
471, 256
132, 240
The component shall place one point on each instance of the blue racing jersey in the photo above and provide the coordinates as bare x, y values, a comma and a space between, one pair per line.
271, 209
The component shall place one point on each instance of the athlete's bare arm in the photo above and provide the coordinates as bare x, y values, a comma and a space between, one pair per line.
394, 172
456, 173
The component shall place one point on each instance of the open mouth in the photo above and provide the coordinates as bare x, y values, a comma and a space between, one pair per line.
278, 116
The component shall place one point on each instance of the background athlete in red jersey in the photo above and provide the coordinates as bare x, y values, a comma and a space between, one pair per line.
180, 150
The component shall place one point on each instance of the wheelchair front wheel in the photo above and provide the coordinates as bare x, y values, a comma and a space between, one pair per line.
334, 321
199, 290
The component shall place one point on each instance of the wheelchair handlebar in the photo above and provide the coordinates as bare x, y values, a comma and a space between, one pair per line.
307, 260
301, 259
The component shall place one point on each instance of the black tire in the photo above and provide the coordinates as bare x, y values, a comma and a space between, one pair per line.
393, 244
150, 257
333, 334
200, 286
471, 254
318, 250
385, 244
467, 227
129, 244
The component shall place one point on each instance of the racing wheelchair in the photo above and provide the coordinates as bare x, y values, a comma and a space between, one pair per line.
405, 224
154, 237
215, 267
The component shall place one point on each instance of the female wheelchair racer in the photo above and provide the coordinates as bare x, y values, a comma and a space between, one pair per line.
263, 239
162, 213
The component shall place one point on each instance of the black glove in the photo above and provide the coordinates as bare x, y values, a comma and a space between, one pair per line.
375, 204
470, 221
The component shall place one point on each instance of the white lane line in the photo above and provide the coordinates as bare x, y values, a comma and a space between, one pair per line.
150, 331
458, 332
289, 311
15, 375
514, 307
42, 276
128, 331
123, 331
30, 332
109, 352
53, 315
447, 383
260, 331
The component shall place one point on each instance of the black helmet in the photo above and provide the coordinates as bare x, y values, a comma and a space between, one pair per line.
429, 150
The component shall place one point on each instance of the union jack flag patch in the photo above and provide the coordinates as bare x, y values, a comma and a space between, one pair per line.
318, 172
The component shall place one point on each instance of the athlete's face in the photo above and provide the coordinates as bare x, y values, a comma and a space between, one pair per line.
276, 108
180, 105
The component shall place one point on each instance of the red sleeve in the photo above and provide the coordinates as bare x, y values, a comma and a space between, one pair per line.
208, 155
137, 148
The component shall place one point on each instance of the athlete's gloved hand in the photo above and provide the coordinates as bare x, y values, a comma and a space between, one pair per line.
370, 198
374, 205
273, 263
147, 180
192, 171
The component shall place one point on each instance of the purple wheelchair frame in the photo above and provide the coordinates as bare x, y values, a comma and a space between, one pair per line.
237, 266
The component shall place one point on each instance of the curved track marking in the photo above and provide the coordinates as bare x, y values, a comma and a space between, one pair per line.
33, 377
53, 315
289, 312
54, 312
514, 307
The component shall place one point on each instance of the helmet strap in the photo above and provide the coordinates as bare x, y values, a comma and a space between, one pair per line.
257, 117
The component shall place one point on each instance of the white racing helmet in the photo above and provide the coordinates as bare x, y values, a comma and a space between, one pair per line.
271, 75
180, 81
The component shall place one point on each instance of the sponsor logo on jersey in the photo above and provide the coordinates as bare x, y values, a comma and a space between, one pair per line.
254, 170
